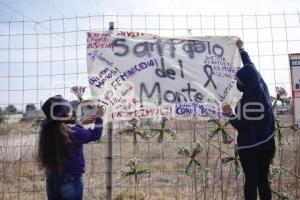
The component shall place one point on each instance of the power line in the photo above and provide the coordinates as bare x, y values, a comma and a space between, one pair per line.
53, 6
35, 22
16, 11
99, 5
60, 12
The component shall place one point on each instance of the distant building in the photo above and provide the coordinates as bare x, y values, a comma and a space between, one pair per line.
33, 114
87, 109
13, 118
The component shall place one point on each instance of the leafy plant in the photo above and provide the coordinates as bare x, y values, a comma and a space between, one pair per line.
279, 128
161, 132
78, 91
281, 97
10, 109
191, 153
134, 130
37, 122
235, 160
274, 174
221, 129
281, 196
1, 116
294, 127
133, 168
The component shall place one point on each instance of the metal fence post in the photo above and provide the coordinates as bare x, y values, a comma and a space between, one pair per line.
109, 162
109, 157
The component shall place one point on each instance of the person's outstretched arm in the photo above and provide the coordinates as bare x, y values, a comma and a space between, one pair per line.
235, 121
83, 135
244, 55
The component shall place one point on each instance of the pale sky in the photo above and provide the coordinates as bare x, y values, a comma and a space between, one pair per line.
42, 9
268, 47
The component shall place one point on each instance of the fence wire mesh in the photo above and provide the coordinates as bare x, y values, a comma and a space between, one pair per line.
39, 59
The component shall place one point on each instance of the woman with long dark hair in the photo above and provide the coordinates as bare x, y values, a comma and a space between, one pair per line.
60, 149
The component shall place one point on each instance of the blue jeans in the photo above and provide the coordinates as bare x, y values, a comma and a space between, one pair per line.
64, 186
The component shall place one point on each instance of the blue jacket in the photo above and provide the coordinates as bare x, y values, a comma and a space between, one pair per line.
253, 132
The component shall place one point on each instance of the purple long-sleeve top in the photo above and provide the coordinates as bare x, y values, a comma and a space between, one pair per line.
81, 135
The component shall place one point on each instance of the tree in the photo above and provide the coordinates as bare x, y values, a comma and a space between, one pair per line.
1, 115
30, 107
10, 109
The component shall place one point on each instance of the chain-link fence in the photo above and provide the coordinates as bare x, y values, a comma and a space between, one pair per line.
39, 59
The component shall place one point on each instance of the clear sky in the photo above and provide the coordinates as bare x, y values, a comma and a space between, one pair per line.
268, 48
42, 9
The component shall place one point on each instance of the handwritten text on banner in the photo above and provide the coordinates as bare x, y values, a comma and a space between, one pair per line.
138, 75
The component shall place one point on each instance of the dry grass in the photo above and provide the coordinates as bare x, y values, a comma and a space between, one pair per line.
14, 128
21, 179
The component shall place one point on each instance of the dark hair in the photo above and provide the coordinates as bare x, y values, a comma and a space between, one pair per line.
54, 148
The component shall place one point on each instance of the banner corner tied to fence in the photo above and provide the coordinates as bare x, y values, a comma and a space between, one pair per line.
139, 75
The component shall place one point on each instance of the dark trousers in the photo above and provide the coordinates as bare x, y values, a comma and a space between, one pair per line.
64, 187
256, 163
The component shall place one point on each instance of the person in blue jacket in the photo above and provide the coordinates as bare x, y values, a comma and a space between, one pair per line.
60, 149
255, 122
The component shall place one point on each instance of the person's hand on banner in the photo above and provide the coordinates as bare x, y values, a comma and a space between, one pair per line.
100, 112
240, 44
227, 109
89, 120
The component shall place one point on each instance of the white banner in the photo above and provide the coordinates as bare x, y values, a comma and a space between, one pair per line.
137, 75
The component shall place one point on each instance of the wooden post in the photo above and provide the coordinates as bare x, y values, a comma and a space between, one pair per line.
109, 158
